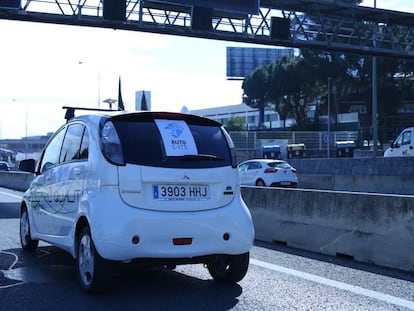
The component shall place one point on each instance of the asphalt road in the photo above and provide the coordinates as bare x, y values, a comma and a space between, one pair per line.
279, 278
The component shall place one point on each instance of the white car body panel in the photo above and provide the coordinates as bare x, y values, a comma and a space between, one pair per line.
137, 182
117, 202
250, 176
403, 145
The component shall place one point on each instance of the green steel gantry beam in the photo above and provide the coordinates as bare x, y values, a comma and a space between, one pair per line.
325, 24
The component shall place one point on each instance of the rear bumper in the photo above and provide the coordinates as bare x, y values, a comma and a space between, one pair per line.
114, 229
284, 184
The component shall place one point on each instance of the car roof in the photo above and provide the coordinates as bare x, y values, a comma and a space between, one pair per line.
264, 161
124, 115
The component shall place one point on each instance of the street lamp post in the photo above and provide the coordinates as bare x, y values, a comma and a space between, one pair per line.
99, 83
374, 90
328, 143
26, 145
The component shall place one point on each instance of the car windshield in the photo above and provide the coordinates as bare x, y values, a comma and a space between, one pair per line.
142, 143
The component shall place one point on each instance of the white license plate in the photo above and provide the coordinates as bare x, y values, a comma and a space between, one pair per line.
285, 183
181, 192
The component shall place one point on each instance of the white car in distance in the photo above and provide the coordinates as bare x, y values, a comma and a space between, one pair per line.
403, 145
267, 173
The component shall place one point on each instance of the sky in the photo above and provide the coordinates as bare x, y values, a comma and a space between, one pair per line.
44, 67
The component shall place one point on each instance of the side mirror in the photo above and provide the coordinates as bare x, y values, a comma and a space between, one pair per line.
27, 165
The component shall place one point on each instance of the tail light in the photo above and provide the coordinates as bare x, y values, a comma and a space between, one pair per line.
293, 170
232, 148
111, 145
270, 170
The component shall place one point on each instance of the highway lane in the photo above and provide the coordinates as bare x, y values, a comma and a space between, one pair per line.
279, 278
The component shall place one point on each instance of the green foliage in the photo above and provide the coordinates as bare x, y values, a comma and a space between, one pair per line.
256, 90
144, 105
292, 84
351, 1
236, 124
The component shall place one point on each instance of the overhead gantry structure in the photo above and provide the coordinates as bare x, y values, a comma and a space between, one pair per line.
329, 25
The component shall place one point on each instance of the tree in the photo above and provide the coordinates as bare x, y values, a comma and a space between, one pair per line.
256, 90
292, 84
235, 124
292, 88
351, 1
144, 105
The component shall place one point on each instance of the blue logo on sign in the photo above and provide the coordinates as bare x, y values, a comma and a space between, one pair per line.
156, 192
175, 129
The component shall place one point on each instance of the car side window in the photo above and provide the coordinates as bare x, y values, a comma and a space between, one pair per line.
84, 149
398, 142
254, 166
71, 148
51, 154
406, 138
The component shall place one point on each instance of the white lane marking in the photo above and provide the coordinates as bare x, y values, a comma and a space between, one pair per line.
11, 195
16, 258
343, 286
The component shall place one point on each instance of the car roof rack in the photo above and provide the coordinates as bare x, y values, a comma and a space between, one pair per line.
70, 111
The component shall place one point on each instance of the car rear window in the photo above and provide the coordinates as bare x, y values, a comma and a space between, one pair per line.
278, 164
143, 144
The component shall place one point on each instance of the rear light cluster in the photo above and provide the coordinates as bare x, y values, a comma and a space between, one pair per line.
111, 145
182, 241
135, 239
232, 148
274, 170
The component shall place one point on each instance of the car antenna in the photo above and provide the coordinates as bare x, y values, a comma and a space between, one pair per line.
70, 111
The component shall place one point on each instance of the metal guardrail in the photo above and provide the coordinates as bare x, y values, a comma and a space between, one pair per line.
252, 140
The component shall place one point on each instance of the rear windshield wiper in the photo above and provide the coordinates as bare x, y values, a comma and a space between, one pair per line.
201, 157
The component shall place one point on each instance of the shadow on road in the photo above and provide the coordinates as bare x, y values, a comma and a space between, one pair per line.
48, 275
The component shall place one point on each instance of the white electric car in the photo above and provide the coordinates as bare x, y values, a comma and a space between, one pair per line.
159, 186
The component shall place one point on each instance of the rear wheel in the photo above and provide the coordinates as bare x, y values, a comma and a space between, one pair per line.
260, 183
28, 244
229, 268
94, 272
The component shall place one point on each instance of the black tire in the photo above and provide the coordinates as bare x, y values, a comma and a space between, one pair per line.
229, 268
95, 274
28, 244
260, 183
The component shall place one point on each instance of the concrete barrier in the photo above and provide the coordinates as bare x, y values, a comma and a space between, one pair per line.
371, 228
15, 180
361, 183
377, 175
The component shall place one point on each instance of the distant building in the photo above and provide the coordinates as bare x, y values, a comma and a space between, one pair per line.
26, 147
251, 116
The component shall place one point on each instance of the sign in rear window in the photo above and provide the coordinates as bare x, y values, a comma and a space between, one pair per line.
176, 137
